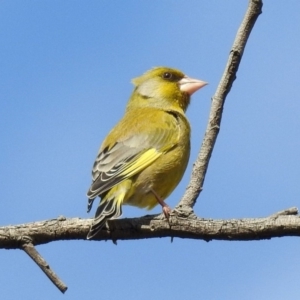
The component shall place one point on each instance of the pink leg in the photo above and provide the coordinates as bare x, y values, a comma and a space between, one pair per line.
165, 207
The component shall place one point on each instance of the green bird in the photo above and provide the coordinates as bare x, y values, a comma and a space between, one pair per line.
145, 155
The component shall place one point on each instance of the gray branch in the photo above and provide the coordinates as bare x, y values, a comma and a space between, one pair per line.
182, 224
218, 100
38, 259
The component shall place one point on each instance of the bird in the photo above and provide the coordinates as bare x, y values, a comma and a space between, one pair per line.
144, 157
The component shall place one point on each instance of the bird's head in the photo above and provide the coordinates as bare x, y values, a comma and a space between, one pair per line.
164, 88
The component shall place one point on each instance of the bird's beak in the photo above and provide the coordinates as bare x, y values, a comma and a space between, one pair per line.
191, 85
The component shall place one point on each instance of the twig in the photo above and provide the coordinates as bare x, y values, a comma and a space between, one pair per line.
200, 166
29, 248
286, 212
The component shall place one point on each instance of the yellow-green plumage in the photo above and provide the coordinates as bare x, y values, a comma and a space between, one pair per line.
144, 157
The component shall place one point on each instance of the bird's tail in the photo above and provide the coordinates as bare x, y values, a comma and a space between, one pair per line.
90, 204
110, 207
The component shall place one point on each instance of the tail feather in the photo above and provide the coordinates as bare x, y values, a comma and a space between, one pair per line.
108, 209
90, 204
110, 206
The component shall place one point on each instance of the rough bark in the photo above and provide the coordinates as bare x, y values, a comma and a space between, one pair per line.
182, 224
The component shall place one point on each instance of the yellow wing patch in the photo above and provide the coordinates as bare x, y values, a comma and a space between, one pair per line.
140, 163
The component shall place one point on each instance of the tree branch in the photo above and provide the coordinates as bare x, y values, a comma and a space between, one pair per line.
38, 259
195, 186
180, 225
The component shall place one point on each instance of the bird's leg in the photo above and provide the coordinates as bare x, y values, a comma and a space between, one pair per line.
165, 207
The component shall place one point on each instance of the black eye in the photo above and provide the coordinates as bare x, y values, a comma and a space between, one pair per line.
167, 75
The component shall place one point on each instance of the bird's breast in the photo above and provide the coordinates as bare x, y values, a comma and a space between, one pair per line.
164, 174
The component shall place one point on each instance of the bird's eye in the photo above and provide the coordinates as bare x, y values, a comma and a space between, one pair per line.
167, 75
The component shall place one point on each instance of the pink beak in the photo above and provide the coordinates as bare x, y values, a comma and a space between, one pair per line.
191, 85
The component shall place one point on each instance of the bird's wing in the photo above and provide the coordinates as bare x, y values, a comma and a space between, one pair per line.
128, 157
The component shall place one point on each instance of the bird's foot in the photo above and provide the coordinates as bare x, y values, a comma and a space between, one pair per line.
166, 210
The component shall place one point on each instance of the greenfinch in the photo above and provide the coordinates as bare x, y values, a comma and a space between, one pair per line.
144, 156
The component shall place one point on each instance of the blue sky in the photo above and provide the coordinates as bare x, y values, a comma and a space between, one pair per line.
65, 78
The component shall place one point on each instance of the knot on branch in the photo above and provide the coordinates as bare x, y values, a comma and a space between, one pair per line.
25, 240
183, 212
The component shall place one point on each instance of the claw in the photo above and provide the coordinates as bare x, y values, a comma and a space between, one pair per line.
166, 210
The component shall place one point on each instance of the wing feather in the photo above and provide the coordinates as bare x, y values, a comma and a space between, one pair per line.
130, 156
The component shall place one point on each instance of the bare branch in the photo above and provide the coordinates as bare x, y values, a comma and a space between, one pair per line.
38, 259
180, 225
200, 166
